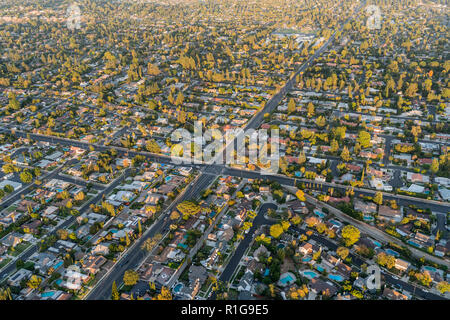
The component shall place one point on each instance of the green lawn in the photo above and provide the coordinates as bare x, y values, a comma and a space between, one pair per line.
11, 208
19, 248
5, 262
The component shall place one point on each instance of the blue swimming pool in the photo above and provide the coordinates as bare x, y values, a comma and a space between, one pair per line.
428, 268
414, 244
266, 272
336, 277
59, 264
319, 213
310, 274
378, 244
319, 268
47, 294
392, 253
306, 259
368, 218
178, 288
287, 279
336, 223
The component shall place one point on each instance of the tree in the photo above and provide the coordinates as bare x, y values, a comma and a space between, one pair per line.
180, 99
334, 146
378, 198
150, 243
164, 294
310, 110
114, 292
302, 158
139, 228
34, 282
285, 225
152, 146
174, 215
295, 220
8, 188
321, 122
276, 230
364, 139
62, 234
130, 278
153, 70
188, 209
342, 252
350, 235
9, 168
291, 106
5, 294
14, 104
443, 287
434, 165
26, 176
300, 195
345, 154
339, 132
79, 196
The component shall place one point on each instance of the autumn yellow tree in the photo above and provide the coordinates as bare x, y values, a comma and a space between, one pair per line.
345, 154
350, 235
276, 230
378, 198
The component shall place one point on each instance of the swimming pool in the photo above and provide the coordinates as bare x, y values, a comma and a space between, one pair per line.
319, 268
310, 274
368, 218
428, 268
336, 223
47, 294
266, 272
378, 244
178, 288
414, 244
336, 277
319, 213
288, 278
306, 259
392, 253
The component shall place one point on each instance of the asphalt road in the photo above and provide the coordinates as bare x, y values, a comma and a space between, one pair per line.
388, 278
34, 248
243, 246
287, 181
136, 255
16, 196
